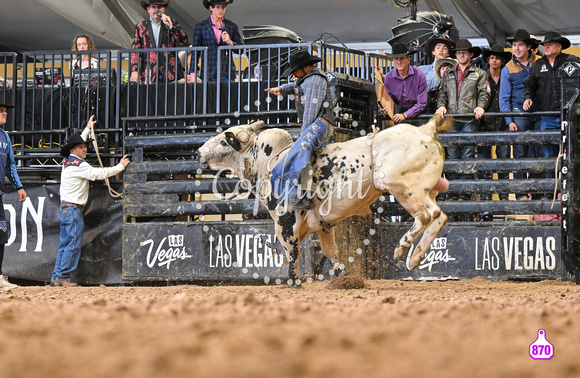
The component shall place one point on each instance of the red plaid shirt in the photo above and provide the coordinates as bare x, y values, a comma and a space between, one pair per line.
460, 76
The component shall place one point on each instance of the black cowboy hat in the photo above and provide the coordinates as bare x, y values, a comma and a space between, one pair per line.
431, 43
464, 44
400, 50
497, 50
207, 3
7, 106
523, 35
300, 59
145, 4
74, 140
553, 36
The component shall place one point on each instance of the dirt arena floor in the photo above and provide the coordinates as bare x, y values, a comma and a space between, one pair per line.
472, 328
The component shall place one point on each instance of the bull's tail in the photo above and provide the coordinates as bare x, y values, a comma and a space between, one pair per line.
437, 125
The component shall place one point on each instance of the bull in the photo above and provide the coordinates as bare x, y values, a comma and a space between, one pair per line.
405, 161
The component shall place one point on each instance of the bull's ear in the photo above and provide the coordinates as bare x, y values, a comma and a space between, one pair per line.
233, 141
256, 125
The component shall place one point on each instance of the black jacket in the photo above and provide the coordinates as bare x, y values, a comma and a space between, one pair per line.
544, 80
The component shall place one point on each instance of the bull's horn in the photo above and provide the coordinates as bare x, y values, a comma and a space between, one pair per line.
256, 125
243, 137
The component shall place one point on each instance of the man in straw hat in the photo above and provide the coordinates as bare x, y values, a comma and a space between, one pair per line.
544, 80
511, 93
464, 89
213, 32
439, 48
7, 169
406, 85
74, 194
159, 31
292, 177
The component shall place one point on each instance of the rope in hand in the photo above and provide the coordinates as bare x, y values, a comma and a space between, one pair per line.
112, 192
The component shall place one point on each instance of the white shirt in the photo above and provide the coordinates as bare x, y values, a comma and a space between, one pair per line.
156, 28
74, 180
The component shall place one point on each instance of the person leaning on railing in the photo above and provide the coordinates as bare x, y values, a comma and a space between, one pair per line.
159, 31
544, 80
495, 59
83, 42
463, 90
406, 85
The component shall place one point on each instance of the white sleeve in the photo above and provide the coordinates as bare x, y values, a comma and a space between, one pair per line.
91, 173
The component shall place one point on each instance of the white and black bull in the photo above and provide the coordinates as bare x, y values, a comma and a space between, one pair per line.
404, 160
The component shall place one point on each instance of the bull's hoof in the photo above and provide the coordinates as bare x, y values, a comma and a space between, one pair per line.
337, 270
400, 252
415, 260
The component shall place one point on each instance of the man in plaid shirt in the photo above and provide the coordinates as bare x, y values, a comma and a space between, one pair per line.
214, 32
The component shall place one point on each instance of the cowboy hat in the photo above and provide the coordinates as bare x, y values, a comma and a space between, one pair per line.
146, 4
7, 106
464, 44
524, 36
207, 3
497, 50
73, 141
429, 46
439, 62
400, 50
300, 59
553, 36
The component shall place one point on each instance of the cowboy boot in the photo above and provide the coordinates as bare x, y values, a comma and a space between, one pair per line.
306, 201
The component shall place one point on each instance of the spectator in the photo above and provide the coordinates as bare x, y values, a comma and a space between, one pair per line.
544, 79
439, 48
464, 90
406, 85
7, 169
214, 32
511, 94
439, 68
74, 193
160, 31
495, 58
83, 42
313, 102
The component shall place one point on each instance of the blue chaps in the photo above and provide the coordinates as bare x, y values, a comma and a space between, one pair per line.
285, 178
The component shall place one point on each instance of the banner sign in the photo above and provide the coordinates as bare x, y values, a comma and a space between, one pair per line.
516, 250
34, 234
202, 251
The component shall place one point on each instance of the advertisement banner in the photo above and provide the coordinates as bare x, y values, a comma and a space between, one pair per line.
34, 234
512, 250
202, 251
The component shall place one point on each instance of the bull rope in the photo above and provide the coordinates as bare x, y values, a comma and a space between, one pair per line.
370, 138
112, 192
556, 175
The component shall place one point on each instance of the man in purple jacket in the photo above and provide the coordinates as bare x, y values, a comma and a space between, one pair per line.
406, 85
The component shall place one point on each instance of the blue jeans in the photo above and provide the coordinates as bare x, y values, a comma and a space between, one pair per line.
550, 124
72, 226
462, 152
523, 151
286, 174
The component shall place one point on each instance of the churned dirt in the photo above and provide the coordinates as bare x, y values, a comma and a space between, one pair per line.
357, 328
